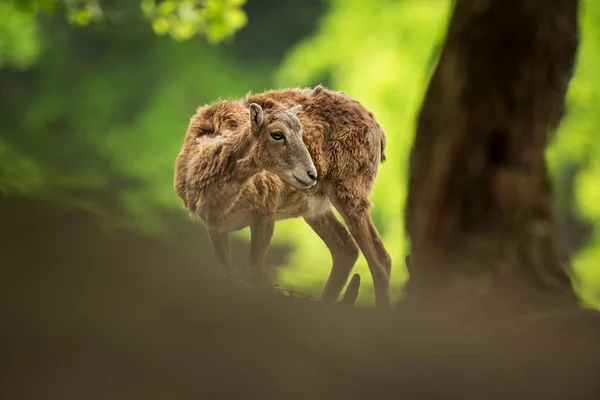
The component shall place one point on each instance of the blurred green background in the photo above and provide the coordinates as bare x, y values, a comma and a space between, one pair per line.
95, 100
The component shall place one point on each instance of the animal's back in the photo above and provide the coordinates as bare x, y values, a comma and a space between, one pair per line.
341, 134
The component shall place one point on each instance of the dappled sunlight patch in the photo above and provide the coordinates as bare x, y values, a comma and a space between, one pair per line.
588, 192
587, 267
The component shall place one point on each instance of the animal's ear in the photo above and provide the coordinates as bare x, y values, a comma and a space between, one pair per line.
294, 110
256, 115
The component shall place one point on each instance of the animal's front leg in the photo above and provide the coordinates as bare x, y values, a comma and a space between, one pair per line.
261, 232
220, 243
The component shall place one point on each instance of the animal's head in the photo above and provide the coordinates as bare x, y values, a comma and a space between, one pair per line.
280, 148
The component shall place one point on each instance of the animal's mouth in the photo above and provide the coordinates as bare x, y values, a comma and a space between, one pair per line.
303, 183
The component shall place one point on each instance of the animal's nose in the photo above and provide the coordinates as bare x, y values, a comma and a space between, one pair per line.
312, 174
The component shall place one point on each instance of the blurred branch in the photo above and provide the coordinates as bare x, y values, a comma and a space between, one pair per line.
217, 20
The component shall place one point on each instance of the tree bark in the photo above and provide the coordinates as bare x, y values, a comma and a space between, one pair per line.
479, 211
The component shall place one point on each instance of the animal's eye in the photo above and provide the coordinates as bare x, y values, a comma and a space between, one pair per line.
277, 135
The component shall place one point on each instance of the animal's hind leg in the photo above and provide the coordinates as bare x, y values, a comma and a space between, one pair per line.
220, 243
343, 249
354, 207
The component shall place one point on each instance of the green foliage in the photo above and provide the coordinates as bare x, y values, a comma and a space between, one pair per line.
218, 19
21, 173
31, 6
576, 144
19, 46
127, 124
181, 19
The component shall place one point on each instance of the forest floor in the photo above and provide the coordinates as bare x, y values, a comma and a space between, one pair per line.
167, 340
97, 327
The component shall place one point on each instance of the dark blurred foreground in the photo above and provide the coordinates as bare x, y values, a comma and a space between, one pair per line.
95, 327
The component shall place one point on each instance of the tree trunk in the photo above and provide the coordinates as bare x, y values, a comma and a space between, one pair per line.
479, 212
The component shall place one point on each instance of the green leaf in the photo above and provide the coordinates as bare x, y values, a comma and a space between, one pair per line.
235, 19
147, 6
19, 41
80, 17
161, 26
167, 7
183, 30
